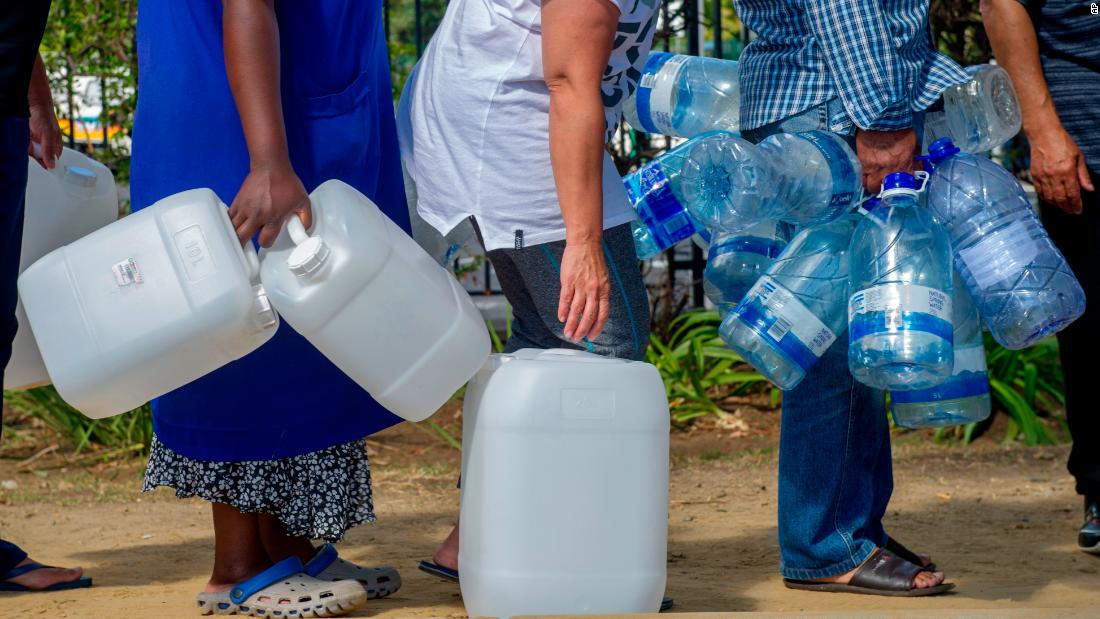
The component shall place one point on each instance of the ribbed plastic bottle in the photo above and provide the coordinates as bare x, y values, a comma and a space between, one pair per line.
796, 310
715, 180
899, 315
736, 260
685, 96
818, 176
1019, 280
964, 397
979, 114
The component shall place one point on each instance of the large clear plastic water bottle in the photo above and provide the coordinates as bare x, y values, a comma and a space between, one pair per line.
796, 310
979, 114
724, 182
899, 315
1020, 282
654, 192
818, 176
964, 397
685, 96
736, 260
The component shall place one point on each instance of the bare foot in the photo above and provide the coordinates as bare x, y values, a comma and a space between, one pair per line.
228, 577
447, 553
924, 580
36, 580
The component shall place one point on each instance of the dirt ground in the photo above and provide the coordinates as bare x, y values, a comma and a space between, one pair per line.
1000, 519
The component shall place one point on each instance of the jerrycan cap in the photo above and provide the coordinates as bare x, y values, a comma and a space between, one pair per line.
310, 252
81, 176
264, 316
899, 183
308, 257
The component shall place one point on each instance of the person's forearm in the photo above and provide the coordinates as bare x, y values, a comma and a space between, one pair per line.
38, 94
576, 156
1012, 35
251, 41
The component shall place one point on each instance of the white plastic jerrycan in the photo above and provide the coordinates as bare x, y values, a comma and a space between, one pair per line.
75, 198
564, 486
375, 303
146, 304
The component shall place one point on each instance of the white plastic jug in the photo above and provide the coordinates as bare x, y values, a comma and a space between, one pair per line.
375, 303
147, 304
564, 486
75, 198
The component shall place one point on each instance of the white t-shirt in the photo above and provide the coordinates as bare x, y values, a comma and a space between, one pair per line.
478, 109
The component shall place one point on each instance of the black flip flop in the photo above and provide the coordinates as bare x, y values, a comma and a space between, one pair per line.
884, 573
450, 575
895, 547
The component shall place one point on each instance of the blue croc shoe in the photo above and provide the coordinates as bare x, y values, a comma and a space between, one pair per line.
379, 581
284, 590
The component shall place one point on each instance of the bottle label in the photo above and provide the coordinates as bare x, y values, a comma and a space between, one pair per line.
889, 308
970, 378
654, 98
657, 206
749, 245
127, 273
784, 322
839, 168
1000, 257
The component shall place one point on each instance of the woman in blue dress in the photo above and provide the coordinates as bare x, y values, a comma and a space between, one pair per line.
263, 101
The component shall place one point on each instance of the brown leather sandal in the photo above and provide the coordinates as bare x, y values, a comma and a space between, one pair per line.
883, 573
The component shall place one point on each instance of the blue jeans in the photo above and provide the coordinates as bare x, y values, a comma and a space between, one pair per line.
14, 138
835, 468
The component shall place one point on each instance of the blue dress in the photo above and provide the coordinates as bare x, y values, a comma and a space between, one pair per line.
285, 399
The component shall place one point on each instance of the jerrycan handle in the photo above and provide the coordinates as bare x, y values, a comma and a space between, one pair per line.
310, 254
296, 229
253, 260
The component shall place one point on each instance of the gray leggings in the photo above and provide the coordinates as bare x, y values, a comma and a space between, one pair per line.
531, 280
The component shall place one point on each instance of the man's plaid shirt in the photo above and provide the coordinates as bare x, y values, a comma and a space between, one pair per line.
876, 55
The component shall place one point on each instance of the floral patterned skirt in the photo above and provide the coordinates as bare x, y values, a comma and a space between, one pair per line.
319, 495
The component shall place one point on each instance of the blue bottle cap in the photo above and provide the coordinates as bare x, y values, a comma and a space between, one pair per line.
941, 150
899, 183
872, 203
899, 180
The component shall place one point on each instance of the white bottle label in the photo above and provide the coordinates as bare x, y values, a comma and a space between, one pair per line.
663, 84
790, 316
1001, 256
970, 359
904, 307
127, 273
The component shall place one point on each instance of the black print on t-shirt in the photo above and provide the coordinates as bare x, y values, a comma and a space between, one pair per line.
633, 35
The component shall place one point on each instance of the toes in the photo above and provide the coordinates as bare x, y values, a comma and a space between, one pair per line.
926, 580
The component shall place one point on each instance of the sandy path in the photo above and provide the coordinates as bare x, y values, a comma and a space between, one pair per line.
1001, 520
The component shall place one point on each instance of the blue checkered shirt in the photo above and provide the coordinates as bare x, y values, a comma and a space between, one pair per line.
876, 55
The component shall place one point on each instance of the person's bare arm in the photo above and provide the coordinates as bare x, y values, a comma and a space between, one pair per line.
1057, 165
576, 44
43, 122
272, 191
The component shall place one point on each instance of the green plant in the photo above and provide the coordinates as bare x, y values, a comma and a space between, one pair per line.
697, 367
129, 432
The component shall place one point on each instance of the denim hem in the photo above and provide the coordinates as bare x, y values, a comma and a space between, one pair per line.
865, 548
